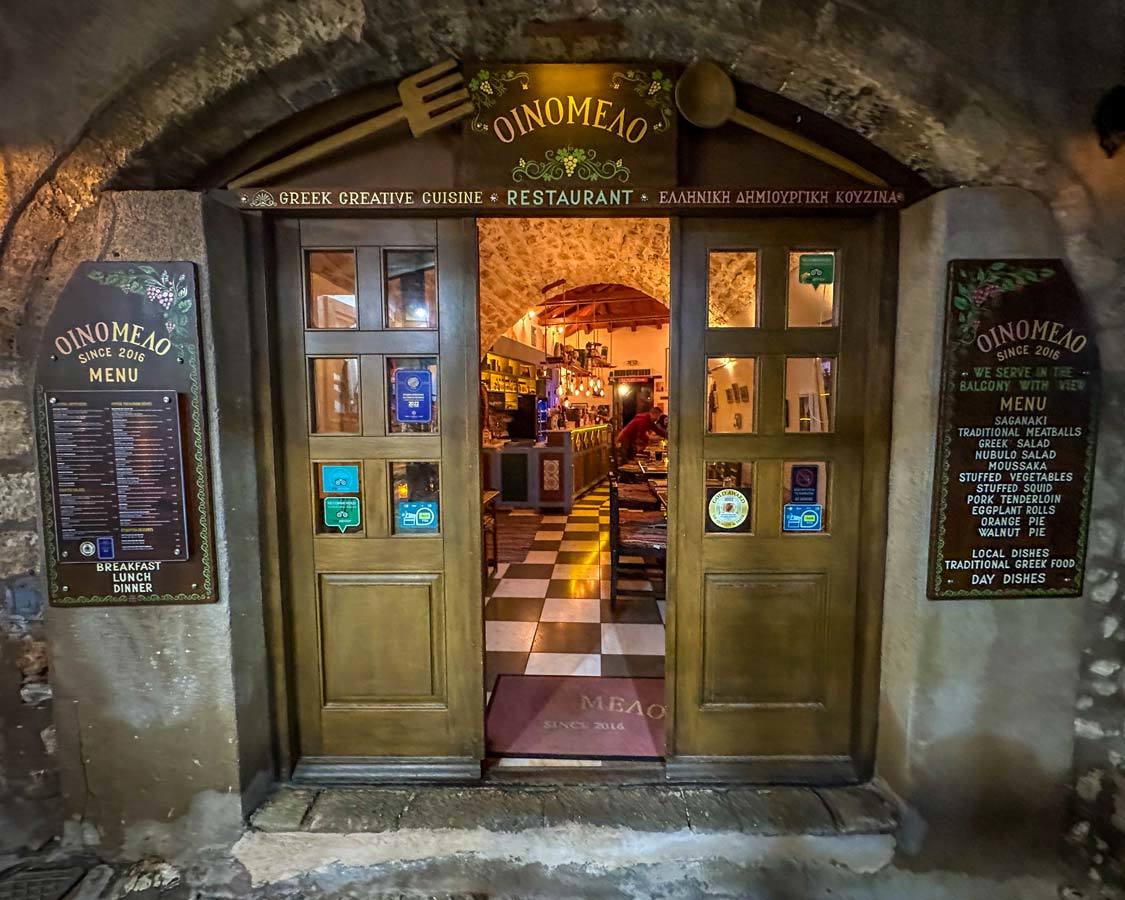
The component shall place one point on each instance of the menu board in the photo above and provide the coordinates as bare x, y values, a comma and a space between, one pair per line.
1016, 435
122, 442
117, 475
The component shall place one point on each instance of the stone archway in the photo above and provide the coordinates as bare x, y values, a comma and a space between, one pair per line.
915, 97
168, 123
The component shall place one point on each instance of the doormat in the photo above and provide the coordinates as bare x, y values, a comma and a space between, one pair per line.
576, 717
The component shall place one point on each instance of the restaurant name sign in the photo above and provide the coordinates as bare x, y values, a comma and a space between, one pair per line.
570, 124
122, 447
1016, 435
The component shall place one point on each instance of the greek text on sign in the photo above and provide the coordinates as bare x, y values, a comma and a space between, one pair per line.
414, 391
1015, 449
122, 441
570, 124
803, 484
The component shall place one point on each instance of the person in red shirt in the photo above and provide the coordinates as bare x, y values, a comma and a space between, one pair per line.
634, 437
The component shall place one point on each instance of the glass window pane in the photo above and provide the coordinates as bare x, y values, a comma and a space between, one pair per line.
334, 395
339, 497
415, 498
812, 289
731, 394
411, 288
412, 395
804, 497
810, 393
729, 497
732, 289
332, 290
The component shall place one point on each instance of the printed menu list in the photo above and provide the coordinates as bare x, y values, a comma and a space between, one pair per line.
117, 475
1016, 441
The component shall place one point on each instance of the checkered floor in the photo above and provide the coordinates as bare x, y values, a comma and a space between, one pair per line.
551, 614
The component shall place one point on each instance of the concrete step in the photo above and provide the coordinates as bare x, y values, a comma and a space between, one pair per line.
853, 810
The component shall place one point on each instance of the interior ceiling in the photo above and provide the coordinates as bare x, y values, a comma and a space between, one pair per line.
607, 306
519, 257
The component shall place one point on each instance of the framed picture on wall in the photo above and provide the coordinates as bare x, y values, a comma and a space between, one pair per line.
730, 396
744, 393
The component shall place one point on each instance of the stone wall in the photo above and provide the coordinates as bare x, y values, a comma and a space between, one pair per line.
29, 793
159, 728
966, 93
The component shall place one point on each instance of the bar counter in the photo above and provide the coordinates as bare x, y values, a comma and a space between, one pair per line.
548, 475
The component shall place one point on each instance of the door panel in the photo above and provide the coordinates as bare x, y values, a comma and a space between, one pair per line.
775, 323
382, 512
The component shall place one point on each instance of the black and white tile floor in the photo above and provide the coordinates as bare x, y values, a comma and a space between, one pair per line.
551, 614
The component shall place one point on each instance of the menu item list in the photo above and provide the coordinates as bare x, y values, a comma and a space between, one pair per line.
1016, 438
117, 475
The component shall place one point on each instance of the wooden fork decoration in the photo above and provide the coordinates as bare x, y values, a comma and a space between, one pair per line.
427, 101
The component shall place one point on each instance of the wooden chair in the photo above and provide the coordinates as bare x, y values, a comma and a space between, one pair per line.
489, 562
634, 533
637, 496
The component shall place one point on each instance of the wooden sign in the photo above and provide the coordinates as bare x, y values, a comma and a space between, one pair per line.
121, 439
562, 124
1016, 435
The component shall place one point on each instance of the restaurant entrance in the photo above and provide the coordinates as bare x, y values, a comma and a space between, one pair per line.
777, 390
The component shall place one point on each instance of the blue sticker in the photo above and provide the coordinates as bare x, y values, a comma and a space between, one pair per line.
803, 484
414, 395
802, 517
339, 479
416, 515
105, 548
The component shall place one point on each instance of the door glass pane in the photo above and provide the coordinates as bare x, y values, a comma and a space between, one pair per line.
411, 288
804, 497
810, 393
339, 493
812, 289
731, 394
412, 394
729, 497
332, 289
732, 289
415, 498
334, 395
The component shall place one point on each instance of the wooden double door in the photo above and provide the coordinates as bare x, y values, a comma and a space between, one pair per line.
779, 389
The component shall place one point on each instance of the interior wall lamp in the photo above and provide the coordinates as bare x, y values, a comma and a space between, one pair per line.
1109, 119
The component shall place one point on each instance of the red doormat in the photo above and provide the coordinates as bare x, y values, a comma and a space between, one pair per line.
572, 716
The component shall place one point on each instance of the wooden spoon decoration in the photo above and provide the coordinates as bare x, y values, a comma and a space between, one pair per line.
705, 97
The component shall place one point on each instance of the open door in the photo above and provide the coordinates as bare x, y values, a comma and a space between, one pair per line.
778, 498
377, 365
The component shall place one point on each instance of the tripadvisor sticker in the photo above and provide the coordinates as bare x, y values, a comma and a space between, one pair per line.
341, 512
728, 508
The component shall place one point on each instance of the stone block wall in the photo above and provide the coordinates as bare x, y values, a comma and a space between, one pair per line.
29, 790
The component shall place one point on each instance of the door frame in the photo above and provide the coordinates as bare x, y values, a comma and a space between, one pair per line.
262, 258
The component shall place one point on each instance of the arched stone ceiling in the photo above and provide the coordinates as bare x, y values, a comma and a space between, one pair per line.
519, 257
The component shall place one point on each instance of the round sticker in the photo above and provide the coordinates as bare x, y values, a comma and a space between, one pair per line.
728, 508
87, 548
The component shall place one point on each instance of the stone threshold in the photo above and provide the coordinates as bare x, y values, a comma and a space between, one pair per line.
763, 811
